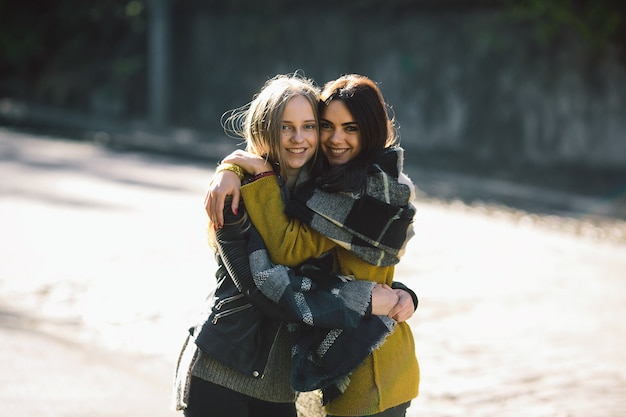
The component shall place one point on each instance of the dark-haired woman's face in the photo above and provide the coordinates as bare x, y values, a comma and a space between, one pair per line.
340, 136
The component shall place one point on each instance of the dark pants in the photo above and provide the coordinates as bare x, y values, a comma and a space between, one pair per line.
397, 411
211, 400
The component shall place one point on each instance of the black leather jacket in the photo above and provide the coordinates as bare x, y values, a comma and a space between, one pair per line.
243, 324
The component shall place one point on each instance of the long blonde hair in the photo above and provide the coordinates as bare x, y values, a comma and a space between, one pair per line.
260, 121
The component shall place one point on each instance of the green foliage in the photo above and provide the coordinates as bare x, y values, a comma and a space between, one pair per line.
599, 22
63, 48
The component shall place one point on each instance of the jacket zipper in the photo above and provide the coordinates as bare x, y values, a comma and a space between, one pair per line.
227, 313
227, 300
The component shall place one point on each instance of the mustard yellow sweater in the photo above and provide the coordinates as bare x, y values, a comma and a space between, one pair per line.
390, 375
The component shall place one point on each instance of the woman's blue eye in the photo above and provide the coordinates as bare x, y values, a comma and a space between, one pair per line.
286, 127
310, 126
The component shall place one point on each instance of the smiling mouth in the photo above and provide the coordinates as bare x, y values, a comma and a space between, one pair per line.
337, 152
296, 150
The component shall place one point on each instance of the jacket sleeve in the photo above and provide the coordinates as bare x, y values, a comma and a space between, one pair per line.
288, 241
232, 246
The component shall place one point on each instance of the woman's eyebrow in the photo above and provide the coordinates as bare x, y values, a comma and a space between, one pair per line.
305, 121
343, 124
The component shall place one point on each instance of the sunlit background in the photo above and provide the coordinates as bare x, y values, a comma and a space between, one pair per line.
513, 117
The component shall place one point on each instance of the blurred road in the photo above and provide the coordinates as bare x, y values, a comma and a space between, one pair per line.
104, 264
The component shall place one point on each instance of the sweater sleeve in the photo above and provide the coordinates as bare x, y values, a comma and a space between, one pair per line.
288, 241
330, 301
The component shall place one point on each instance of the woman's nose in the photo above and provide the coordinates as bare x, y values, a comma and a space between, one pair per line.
298, 136
335, 136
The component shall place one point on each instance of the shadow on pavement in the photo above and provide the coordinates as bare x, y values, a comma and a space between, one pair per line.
46, 373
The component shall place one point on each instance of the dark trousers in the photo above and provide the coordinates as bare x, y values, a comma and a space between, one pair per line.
210, 400
397, 411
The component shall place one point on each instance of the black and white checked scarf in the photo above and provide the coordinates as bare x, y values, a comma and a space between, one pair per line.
376, 225
333, 334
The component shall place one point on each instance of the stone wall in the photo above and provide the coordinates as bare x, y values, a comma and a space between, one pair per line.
471, 84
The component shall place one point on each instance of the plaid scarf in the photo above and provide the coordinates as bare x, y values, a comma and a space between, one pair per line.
375, 225
333, 333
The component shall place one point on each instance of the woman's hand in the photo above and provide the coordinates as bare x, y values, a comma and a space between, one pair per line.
223, 184
384, 299
404, 308
251, 163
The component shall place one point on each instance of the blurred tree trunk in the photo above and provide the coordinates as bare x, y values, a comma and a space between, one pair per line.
158, 58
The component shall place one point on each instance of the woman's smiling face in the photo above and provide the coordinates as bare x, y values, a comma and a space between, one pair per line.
299, 136
340, 136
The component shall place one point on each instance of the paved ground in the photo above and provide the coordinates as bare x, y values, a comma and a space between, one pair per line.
103, 264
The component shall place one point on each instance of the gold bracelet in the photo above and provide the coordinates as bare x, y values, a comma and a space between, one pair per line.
231, 167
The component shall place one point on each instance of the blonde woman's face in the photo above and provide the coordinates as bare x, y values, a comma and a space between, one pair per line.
340, 136
298, 137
